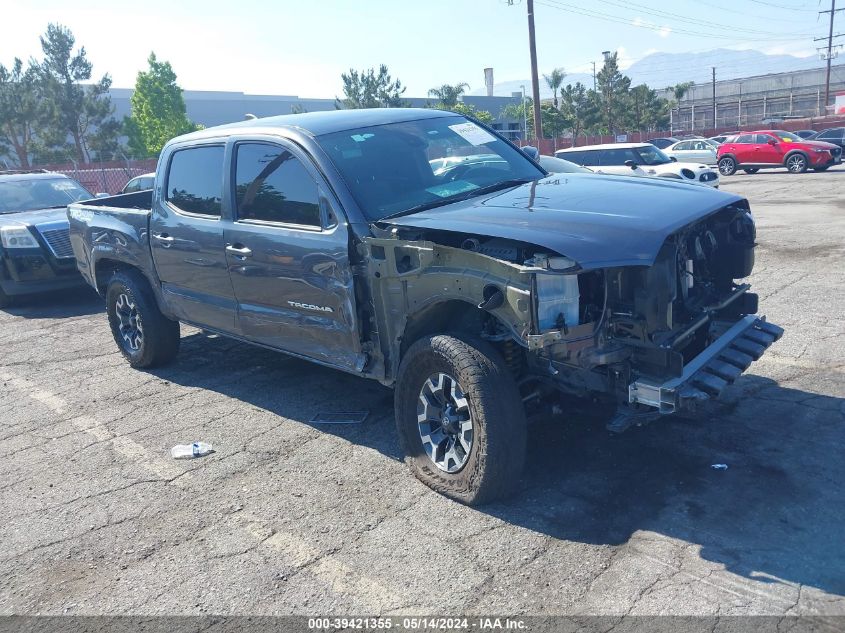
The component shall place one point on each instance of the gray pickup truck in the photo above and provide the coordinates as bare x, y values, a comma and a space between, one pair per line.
421, 249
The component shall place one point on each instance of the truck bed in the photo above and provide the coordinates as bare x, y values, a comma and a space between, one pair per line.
114, 228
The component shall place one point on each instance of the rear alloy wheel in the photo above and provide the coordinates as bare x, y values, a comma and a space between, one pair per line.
145, 336
751, 170
727, 166
796, 163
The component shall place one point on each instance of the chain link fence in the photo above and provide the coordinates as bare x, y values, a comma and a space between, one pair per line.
104, 177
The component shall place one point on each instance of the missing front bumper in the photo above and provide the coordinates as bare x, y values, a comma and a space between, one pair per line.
722, 362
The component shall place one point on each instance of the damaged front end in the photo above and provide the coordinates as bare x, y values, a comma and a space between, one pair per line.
660, 337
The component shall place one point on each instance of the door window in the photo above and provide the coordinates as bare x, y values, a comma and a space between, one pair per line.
195, 180
744, 138
617, 157
682, 146
763, 138
272, 185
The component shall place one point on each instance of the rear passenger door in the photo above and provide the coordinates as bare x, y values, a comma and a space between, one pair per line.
186, 238
287, 251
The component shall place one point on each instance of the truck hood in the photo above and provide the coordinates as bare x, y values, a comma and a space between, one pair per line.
598, 221
34, 218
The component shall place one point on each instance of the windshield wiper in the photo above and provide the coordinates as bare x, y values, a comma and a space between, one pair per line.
472, 193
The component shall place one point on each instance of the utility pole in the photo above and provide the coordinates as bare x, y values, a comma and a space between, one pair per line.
829, 55
715, 124
594, 76
535, 80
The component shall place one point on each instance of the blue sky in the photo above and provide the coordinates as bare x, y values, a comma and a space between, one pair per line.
300, 47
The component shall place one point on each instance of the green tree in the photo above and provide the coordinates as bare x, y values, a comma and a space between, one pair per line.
469, 110
679, 91
576, 104
81, 113
519, 110
368, 89
554, 80
158, 110
648, 112
449, 95
612, 89
20, 112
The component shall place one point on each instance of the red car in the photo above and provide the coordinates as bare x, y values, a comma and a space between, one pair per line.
752, 151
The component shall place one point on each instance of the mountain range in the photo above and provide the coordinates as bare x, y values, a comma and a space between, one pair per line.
660, 70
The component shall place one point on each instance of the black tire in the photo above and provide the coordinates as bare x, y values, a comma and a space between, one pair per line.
796, 163
727, 166
824, 168
129, 292
751, 170
496, 456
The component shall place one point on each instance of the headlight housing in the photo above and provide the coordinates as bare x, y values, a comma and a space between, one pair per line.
17, 237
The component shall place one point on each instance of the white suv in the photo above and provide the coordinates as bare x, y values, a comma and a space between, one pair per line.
638, 159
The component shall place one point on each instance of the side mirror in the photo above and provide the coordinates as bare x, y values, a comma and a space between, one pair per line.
772, 141
631, 164
673, 159
102, 195
532, 152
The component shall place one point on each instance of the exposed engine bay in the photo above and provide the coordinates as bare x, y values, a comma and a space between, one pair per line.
613, 330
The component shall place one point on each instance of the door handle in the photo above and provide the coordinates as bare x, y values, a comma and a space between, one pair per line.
238, 250
164, 239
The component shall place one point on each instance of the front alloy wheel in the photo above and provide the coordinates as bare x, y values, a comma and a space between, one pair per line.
445, 422
460, 417
797, 163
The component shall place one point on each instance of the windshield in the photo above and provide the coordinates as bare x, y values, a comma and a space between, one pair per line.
397, 167
40, 193
787, 137
650, 155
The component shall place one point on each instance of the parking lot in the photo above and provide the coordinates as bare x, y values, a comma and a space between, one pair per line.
289, 516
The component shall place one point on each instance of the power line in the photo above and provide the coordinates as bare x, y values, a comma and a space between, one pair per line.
749, 15
562, 6
780, 6
697, 22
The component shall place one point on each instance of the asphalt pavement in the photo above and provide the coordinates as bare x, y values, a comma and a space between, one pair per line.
293, 517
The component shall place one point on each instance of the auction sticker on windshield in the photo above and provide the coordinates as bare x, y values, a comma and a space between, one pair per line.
472, 133
452, 188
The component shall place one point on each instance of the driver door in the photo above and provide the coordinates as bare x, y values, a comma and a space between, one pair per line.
765, 152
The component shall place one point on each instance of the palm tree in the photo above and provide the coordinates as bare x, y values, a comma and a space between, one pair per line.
447, 94
678, 92
555, 81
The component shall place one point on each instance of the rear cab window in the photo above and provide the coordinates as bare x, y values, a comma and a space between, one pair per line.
195, 180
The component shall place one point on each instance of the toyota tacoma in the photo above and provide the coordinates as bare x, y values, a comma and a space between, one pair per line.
475, 291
